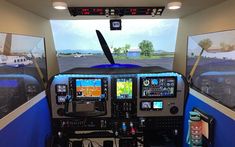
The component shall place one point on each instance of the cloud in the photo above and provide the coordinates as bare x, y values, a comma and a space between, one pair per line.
133, 27
81, 33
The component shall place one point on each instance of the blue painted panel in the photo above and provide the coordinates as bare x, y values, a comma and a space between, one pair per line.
28, 130
224, 131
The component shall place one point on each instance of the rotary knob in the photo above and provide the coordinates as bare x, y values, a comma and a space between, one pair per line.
60, 112
174, 110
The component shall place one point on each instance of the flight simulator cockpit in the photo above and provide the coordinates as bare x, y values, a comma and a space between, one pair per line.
164, 78
135, 106
124, 104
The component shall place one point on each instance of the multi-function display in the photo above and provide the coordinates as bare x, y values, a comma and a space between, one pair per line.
124, 88
154, 87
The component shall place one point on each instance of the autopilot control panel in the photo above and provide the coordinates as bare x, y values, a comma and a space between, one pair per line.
118, 103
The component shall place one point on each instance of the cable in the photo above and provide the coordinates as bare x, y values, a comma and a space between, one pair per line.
83, 143
97, 143
90, 144
140, 141
115, 141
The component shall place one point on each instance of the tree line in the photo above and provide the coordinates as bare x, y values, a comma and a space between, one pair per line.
145, 46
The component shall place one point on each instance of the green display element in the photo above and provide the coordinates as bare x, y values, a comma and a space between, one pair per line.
124, 88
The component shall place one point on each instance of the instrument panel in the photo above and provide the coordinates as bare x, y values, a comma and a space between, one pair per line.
134, 101
155, 94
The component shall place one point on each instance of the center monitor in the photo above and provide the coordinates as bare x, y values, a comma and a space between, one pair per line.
124, 88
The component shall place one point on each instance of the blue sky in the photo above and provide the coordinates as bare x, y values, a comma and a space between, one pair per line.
80, 34
23, 43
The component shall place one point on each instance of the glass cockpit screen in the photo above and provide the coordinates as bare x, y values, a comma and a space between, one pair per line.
88, 88
158, 87
124, 88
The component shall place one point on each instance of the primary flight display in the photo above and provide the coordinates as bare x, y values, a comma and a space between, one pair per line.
88, 87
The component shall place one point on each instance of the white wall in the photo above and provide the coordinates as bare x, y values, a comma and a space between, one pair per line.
216, 18
20, 21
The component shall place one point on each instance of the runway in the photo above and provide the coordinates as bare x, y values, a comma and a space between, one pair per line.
66, 63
